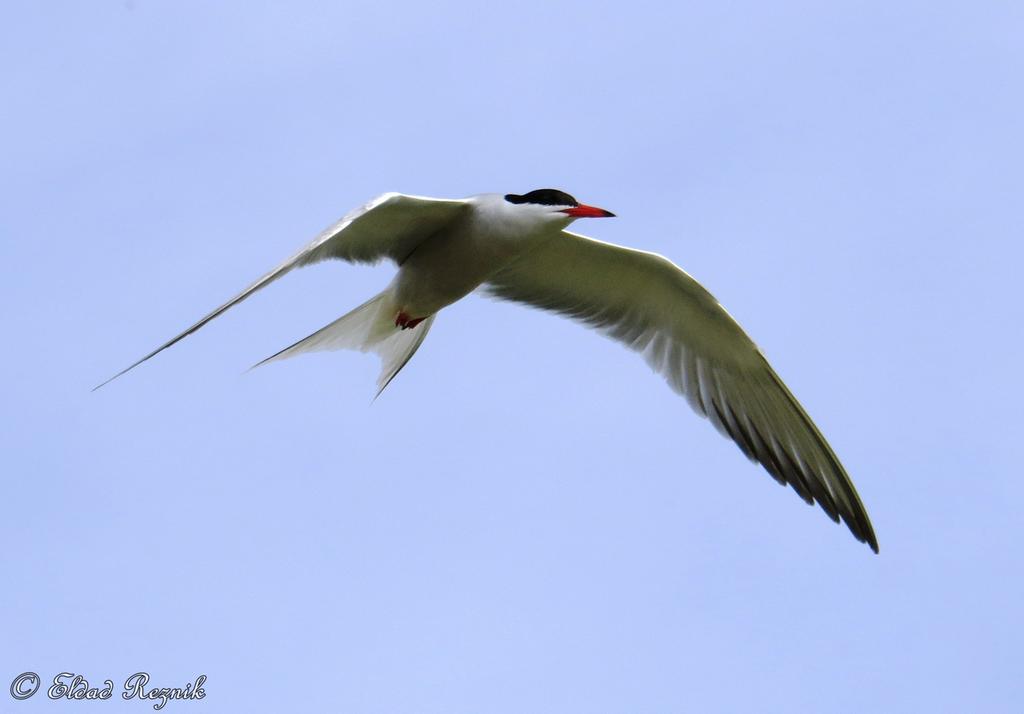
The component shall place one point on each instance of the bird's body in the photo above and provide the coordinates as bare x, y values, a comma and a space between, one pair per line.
459, 257
516, 247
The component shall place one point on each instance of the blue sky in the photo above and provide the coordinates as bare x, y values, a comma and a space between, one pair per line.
528, 519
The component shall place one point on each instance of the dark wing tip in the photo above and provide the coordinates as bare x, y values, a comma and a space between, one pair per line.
807, 482
866, 535
125, 370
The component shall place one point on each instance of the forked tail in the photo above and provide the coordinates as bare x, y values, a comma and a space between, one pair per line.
368, 328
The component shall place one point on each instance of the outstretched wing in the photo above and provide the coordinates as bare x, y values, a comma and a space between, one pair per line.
389, 226
652, 306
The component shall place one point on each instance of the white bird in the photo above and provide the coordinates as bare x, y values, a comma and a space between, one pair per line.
516, 247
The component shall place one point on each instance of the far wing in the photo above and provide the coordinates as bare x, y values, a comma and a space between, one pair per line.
652, 306
390, 226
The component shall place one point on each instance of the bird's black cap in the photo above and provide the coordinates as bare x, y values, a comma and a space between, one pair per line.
544, 197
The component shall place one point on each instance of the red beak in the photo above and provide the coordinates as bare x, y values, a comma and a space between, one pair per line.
582, 211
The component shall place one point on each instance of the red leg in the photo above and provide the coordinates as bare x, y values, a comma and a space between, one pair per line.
406, 322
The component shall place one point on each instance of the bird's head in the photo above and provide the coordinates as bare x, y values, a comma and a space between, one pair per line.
558, 205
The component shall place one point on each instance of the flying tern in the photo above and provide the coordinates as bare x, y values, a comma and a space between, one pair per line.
515, 247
